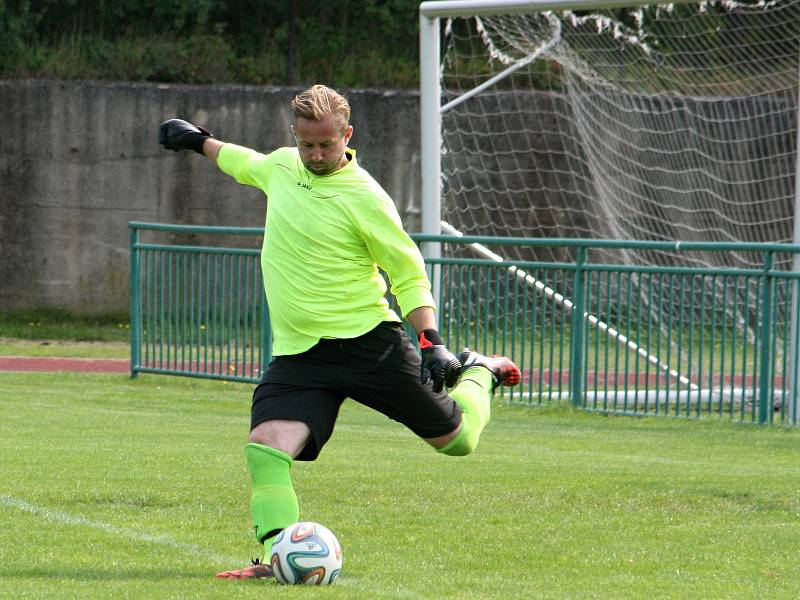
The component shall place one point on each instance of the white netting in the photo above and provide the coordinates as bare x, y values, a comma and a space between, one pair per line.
676, 122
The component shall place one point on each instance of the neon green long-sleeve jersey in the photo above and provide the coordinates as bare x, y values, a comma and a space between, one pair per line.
324, 239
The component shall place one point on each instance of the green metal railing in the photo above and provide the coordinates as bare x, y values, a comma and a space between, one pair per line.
682, 341
197, 311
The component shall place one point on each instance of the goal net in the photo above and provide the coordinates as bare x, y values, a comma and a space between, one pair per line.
673, 122
670, 123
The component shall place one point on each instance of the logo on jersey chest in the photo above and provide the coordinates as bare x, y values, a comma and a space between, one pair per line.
304, 185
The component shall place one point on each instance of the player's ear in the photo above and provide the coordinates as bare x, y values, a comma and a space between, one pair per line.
348, 133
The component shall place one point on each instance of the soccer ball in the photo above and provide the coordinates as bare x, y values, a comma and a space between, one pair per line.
306, 552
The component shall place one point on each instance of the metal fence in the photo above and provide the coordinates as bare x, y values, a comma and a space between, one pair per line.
615, 338
197, 310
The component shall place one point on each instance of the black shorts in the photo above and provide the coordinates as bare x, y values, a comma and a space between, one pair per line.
379, 369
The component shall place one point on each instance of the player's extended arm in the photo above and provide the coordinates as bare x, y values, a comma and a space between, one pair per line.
177, 134
438, 363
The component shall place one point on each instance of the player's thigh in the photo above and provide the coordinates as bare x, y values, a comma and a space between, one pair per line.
391, 385
285, 397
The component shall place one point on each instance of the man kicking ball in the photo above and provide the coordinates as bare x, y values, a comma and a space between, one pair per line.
329, 228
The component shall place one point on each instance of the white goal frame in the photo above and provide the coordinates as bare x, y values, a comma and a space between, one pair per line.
431, 109
430, 13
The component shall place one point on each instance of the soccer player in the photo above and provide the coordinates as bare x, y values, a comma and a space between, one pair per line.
329, 226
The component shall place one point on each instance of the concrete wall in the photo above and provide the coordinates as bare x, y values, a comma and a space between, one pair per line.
79, 160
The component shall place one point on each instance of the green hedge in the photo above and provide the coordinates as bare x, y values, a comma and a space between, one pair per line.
345, 43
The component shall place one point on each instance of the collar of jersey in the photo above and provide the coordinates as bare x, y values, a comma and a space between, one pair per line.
350, 164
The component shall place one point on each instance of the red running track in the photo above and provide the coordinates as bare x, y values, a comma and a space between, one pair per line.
74, 365
123, 365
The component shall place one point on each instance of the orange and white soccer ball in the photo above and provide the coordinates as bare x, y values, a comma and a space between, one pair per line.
306, 552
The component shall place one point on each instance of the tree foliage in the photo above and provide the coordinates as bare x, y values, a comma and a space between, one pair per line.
345, 43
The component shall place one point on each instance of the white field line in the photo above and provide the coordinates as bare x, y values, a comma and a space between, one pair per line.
65, 518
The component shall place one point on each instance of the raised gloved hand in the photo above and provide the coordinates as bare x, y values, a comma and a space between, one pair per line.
438, 363
177, 134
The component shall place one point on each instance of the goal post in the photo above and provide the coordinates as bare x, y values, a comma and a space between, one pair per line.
617, 119
430, 14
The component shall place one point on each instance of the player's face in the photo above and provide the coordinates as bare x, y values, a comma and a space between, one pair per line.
322, 143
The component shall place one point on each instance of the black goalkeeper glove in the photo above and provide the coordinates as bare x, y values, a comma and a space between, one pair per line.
177, 134
438, 363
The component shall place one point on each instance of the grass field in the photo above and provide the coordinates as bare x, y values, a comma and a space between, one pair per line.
48, 332
63, 348
53, 324
119, 488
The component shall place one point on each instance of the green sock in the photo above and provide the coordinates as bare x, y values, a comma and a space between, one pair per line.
473, 394
273, 504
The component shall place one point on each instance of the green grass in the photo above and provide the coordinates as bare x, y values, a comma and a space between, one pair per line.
119, 488
54, 324
64, 348
50, 332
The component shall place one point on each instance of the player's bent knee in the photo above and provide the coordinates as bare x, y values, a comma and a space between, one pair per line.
459, 447
465, 442
287, 436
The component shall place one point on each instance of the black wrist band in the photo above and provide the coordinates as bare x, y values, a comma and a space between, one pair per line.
199, 139
432, 336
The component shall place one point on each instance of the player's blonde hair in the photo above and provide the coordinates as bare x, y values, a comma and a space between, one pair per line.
319, 101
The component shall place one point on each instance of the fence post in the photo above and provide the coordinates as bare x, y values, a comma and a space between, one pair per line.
136, 296
765, 374
793, 372
576, 333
